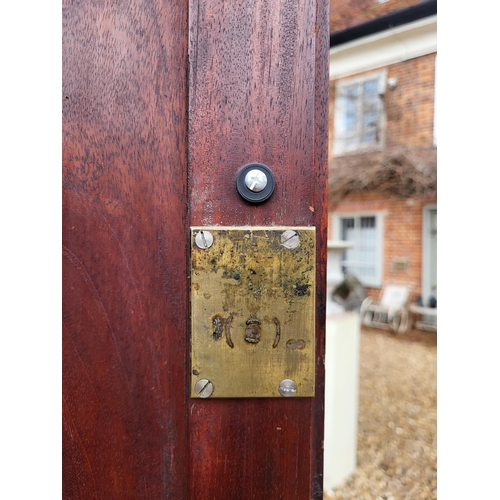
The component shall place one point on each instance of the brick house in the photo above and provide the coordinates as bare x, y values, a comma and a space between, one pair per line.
383, 141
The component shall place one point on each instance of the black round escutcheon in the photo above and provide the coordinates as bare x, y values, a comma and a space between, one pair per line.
247, 193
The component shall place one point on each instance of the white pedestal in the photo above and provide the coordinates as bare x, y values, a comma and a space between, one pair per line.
334, 274
341, 397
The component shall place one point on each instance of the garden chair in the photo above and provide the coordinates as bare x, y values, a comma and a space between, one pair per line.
390, 311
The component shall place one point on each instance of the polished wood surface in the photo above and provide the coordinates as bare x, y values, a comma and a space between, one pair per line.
163, 102
258, 93
125, 250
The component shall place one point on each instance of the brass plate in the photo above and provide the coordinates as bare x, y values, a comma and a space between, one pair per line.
253, 311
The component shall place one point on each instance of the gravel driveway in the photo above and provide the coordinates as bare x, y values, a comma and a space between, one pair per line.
397, 419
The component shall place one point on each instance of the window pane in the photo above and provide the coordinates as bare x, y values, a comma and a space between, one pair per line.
368, 271
351, 92
350, 121
351, 108
367, 221
346, 224
370, 117
369, 137
370, 87
362, 259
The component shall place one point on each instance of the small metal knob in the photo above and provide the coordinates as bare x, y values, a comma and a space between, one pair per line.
255, 182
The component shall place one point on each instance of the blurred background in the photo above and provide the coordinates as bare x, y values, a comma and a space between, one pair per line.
380, 410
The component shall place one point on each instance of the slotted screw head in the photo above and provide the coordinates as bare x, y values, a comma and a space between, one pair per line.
204, 388
290, 239
256, 180
287, 388
204, 239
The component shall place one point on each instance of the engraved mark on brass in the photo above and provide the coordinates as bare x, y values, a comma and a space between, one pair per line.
278, 333
252, 331
301, 290
228, 331
248, 273
295, 344
217, 323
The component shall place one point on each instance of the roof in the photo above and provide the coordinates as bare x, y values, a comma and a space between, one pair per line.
391, 20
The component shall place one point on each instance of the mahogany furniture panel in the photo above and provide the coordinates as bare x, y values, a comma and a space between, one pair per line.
162, 103
125, 250
258, 93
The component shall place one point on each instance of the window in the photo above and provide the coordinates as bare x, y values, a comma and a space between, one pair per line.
435, 128
364, 259
359, 119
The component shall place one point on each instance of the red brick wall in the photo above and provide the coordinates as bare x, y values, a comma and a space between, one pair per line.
345, 14
410, 105
402, 234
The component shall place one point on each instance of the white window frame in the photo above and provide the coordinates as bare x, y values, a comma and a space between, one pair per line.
426, 290
369, 281
339, 146
435, 122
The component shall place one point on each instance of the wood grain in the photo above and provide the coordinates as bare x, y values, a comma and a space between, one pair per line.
258, 93
124, 257
321, 221
148, 150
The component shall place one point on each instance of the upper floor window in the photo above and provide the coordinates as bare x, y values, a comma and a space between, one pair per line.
359, 122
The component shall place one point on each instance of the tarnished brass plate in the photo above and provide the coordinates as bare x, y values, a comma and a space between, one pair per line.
252, 310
